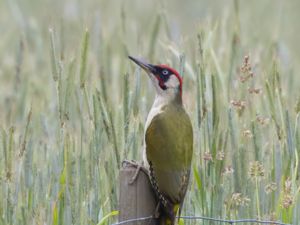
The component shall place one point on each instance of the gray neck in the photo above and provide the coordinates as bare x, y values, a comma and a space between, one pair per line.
171, 96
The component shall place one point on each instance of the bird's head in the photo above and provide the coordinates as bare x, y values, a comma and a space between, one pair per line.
166, 80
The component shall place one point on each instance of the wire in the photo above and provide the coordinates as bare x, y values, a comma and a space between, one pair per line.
133, 220
209, 219
232, 221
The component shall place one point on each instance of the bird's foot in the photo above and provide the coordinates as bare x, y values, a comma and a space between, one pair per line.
139, 167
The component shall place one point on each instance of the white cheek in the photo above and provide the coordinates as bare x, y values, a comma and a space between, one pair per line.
173, 82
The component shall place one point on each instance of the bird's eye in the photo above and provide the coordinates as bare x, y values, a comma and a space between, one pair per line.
165, 72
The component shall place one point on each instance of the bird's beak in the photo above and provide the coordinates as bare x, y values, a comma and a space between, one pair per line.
146, 66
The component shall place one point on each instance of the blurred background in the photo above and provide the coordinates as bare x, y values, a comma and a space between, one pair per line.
72, 106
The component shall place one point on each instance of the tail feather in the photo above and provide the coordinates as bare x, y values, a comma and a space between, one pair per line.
168, 216
165, 219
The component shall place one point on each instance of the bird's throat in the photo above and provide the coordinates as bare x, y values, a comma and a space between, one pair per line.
169, 96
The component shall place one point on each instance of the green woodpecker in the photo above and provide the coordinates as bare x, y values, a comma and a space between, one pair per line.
168, 141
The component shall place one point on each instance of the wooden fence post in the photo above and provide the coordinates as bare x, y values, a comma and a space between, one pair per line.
136, 200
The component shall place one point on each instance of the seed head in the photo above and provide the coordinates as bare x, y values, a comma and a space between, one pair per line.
236, 200
240, 105
207, 156
287, 201
228, 170
262, 120
254, 90
247, 134
240, 200
220, 155
256, 170
246, 70
270, 187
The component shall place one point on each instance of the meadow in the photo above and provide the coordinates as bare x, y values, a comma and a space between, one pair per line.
73, 106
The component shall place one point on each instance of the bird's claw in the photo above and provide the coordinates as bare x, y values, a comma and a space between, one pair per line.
139, 167
126, 162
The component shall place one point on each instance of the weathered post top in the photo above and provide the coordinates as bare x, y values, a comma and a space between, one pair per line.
136, 200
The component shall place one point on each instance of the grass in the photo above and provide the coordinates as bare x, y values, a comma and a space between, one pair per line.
72, 106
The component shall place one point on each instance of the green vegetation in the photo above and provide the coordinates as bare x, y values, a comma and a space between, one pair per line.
72, 106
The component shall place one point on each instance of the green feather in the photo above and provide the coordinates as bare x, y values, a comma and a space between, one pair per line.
169, 148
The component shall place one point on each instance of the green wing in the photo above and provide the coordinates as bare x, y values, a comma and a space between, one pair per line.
169, 149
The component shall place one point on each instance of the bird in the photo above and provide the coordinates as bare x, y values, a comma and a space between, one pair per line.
168, 141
